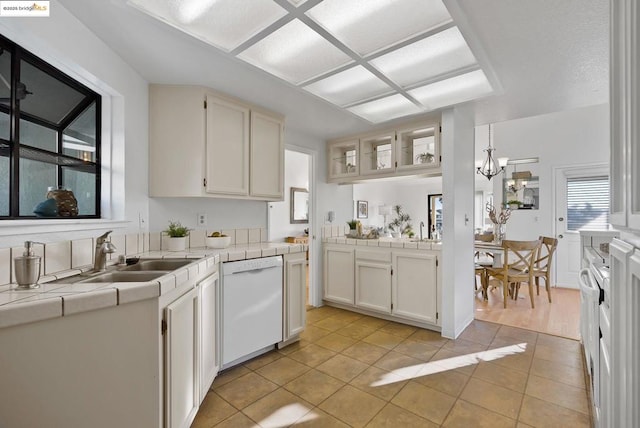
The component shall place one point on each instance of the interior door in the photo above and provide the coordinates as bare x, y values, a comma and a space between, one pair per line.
567, 264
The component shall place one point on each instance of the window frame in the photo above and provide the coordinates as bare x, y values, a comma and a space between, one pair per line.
57, 158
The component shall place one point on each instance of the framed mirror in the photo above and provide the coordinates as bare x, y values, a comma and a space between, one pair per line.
299, 202
435, 214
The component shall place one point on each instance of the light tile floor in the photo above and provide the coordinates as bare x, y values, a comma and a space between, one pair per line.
350, 370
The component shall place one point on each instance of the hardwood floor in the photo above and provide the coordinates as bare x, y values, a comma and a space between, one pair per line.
560, 318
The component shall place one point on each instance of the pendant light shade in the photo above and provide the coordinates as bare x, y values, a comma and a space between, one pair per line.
490, 167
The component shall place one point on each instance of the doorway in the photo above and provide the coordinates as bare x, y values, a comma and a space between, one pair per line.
581, 202
292, 219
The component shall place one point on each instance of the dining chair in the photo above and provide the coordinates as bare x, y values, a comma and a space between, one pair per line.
517, 267
542, 263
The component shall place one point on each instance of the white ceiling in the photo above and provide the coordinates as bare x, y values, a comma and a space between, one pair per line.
542, 56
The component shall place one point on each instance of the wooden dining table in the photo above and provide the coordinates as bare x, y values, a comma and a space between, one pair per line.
494, 248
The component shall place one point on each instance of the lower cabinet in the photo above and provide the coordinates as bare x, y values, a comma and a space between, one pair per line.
208, 290
402, 283
373, 280
339, 280
182, 396
295, 295
414, 286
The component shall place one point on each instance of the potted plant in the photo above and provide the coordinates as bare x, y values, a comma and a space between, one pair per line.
401, 225
353, 228
514, 204
177, 234
425, 157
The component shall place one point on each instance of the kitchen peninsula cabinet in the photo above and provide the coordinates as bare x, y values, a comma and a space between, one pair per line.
412, 150
400, 284
339, 279
206, 144
208, 292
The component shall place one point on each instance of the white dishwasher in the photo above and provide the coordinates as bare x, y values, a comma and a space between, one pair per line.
251, 308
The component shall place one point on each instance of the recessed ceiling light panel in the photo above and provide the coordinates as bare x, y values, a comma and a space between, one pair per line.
423, 60
295, 53
455, 90
367, 26
385, 109
349, 86
224, 24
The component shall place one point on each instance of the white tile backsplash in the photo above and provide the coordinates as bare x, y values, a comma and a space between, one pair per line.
5, 266
57, 257
154, 241
230, 233
131, 243
120, 242
242, 236
81, 252
254, 236
197, 238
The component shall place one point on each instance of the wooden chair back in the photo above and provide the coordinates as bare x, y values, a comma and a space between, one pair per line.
545, 254
519, 258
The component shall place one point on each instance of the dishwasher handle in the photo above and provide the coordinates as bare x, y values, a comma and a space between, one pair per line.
253, 271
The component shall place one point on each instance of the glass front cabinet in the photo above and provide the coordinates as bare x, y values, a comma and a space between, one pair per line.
418, 148
411, 150
343, 159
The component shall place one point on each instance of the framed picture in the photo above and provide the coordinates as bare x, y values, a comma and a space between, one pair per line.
363, 209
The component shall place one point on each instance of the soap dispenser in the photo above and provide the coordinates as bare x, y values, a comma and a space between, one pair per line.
27, 267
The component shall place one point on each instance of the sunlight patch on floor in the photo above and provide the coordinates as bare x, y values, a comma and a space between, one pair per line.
425, 369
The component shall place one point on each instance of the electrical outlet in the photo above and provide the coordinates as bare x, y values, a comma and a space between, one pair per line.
201, 220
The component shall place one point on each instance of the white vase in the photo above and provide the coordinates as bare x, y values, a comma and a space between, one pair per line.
176, 244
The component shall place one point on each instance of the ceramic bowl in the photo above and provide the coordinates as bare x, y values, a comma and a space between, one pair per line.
218, 242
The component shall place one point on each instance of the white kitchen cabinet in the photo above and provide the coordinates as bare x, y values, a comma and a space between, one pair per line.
206, 144
411, 150
417, 147
227, 147
181, 360
343, 160
339, 278
377, 154
373, 280
414, 286
295, 295
267, 156
208, 290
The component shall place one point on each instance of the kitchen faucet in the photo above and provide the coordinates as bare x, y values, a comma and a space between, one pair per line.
103, 247
421, 226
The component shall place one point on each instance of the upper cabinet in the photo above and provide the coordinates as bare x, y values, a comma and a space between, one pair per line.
202, 143
410, 150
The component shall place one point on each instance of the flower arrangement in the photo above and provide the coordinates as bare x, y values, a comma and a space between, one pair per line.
498, 220
402, 223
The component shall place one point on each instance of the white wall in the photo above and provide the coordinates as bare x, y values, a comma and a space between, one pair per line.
410, 193
67, 44
296, 174
568, 138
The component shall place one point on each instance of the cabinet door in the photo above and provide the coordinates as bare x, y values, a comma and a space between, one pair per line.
181, 361
339, 281
377, 154
209, 356
176, 140
373, 286
295, 279
343, 159
414, 286
227, 155
418, 148
267, 157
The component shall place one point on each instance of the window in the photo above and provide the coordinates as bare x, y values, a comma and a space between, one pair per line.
588, 203
49, 136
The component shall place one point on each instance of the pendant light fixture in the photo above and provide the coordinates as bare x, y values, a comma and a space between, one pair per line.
490, 168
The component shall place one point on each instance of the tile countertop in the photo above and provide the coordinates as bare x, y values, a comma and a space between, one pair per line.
387, 243
52, 300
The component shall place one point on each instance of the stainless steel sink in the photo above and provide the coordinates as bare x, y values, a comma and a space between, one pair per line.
120, 276
157, 264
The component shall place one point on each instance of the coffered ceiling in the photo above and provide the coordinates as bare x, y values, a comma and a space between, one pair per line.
335, 67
